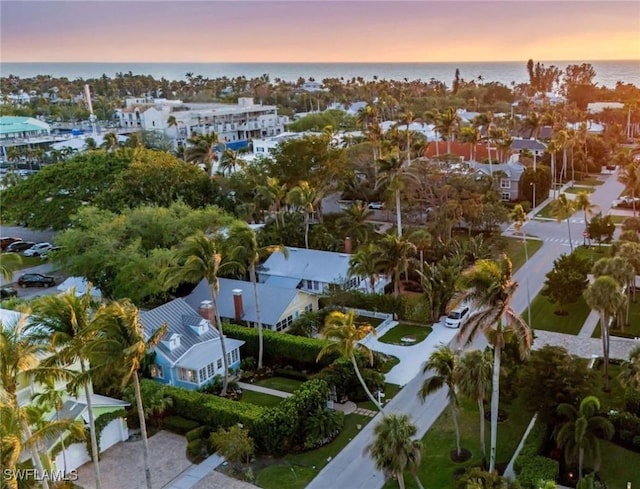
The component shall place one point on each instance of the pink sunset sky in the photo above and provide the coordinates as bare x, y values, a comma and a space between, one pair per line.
317, 31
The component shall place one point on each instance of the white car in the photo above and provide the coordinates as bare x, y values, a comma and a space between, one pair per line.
376, 205
457, 317
38, 249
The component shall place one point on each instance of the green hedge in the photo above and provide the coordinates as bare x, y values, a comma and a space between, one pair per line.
281, 348
408, 308
531, 467
179, 425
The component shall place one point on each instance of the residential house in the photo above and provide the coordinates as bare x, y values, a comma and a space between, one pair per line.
73, 408
312, 271
279, 305
509, 175
190, 353
537, 148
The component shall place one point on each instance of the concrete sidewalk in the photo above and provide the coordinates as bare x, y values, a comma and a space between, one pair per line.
195, 473
263, 390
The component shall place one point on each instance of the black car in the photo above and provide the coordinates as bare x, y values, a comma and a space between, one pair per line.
36, 280
19, 246
7, 292
4, 242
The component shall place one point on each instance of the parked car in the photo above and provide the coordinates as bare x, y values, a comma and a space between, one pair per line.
376, 205
7, 292
457, 317
19, 246
38, 249
626, 202
5, 242
36, 280
45, 254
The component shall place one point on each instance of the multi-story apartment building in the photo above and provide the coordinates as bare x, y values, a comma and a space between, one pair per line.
235, 124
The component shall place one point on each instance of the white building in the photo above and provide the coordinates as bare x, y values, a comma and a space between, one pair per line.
234, 123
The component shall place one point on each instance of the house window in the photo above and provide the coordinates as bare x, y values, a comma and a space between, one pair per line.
187, 375
203, 374
211, 370
309, 284
308, 307
506, 196
235, 356
157, 372
505, 183
219, 364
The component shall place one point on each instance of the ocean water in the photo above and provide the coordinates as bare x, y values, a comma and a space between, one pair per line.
608, 73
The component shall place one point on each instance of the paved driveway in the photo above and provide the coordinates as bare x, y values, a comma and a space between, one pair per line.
122, 466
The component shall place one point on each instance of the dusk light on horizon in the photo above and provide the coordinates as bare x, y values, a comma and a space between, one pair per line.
317, 31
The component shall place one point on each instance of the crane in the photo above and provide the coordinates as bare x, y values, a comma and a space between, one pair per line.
92, 116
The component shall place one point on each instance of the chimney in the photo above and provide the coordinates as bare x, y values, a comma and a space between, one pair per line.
237, 304
347, 245
207, 311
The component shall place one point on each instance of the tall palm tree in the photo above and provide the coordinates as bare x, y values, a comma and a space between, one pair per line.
630, 177
604, 295
364, 263
471, 136
448, 125
390, 177
276, 195
20, 354
392, 255
123, 347
199, 258
394, 450
623, 272
353, 223
203, 149
489, 286
474, 382
307, 198
230, 160
519, 218
629, 377
583, 203
561, 210
173, 122
110, 141
443, 364
345, 336
246, 253
69, 321
579, 433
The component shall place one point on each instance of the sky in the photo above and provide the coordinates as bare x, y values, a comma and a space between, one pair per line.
317, 31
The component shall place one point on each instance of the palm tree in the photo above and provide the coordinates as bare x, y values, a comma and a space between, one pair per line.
276, 194
471, 136
630, 177
604, 295
489, 286
447, 125
443, 362
345, 336
364, 263
203, 149
583, 203
173, 122
392, 255
20, 354
307, 198
629, 377
474, 382
229, 161
353, 223
201, 259
390, 173
110, 141
519, 218
561, 210
10, 261
123, 347
579, 433
394, 450
246, 252
623, 272
69, 321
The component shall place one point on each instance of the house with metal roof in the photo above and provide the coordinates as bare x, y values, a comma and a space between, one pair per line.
189, 355
17, 128
509, 175
280, 304
313, 271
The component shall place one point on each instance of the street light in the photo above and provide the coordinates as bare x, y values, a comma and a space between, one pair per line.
534, 194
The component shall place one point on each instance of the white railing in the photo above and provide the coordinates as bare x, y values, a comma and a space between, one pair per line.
384, 325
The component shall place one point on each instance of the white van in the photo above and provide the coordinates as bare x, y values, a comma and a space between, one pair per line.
457, 317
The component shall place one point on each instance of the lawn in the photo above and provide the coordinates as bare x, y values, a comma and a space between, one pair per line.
296, 471
437, 469
617, 218
279, 383
617, 466
259, 398
26, 261
593, 253
577, 190
543, 317
545, 212
394, 335
631, 331
515, 250
371, 321
390, 391
589, 182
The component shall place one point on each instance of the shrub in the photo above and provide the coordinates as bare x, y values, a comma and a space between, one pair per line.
290, 373
179, 425
195, 433
195, 450
536, 468
342, 376
632, 401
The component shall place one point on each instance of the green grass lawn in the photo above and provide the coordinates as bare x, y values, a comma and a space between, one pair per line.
589, 182
619, 466
515, 250
593, 253
390, 391
543, 317
26, 261
545, 211
618, 219
279, 383
437, 469
577, 190
259, 398
375, 322
296, 471
630, 331
394, 335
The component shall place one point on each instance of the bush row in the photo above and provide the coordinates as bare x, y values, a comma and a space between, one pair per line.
281, 349
408, 308
531, 467
627, 427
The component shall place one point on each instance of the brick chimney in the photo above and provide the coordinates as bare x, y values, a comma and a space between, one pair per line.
237, 304
347, 245
207, 311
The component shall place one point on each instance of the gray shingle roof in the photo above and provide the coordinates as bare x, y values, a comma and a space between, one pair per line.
273, 300
530, 144
512, 170
323, 266
181, 319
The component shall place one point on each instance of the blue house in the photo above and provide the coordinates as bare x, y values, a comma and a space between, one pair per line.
190, 353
